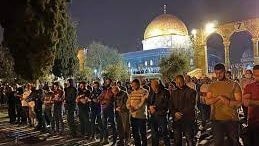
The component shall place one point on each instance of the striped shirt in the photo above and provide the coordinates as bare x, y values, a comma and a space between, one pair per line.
137, 99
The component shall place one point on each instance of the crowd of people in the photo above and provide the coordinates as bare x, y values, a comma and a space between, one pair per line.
129, 109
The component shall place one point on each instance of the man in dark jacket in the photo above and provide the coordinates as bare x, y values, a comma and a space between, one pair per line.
37, 96
96, 111
182, 109
158, 101
83, 99
18, 104
119, 84
10, 94
70, 97
58, 98
122, 115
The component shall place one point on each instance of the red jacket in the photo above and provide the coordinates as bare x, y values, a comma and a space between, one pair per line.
106, 98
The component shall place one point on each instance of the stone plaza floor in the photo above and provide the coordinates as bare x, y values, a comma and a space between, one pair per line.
26, 136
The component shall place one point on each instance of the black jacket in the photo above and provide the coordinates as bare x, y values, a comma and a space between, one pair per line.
183, 101
120, 101
160, 100
95, 106
70, 95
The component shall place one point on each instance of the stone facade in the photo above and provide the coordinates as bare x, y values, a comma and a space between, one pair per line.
225, 30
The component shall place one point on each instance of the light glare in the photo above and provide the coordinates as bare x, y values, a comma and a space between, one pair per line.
194, 32
210, 28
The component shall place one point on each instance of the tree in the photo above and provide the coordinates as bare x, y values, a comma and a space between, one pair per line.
66, 61
6, 64
176, 63
84, 75
116, 71
107, 61
32, 29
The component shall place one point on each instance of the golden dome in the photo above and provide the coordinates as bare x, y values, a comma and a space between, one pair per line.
165, 24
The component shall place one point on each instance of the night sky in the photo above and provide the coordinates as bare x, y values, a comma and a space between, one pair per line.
121, 23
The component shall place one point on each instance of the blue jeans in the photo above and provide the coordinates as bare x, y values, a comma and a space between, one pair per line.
108, 116
58, 120
70, 118
205, 113
159, 129
96, 117
48, 117
139, 130
228, 128
185, 127
84, 119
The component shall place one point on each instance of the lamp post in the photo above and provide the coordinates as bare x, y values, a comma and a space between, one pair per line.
199, 37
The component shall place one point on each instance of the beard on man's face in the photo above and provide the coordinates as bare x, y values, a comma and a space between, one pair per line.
221, 78
107, 85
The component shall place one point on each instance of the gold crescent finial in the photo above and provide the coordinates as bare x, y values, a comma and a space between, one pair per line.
164, 8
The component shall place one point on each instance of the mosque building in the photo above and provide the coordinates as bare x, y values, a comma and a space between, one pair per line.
164, 35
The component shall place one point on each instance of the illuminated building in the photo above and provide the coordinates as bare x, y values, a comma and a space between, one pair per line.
162, 37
